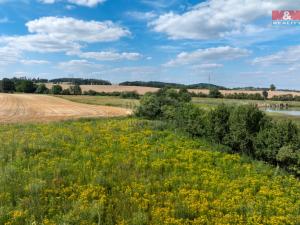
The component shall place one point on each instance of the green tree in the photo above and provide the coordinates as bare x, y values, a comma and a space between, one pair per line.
272, 87
7, 86
56, 89
245, 122
75, 90
215, 93
26, 86
265, 94
42, 89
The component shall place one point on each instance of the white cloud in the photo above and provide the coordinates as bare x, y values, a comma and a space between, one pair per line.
141, 15
110, 56
8, 55
217, 18
34, 62
79, 66
4, 20
208, 55
289, 56
67, 35
71, 29
207, 66
87, 3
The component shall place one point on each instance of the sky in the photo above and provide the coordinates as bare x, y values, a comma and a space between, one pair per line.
226, 42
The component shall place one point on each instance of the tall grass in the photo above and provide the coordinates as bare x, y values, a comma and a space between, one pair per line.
128, 171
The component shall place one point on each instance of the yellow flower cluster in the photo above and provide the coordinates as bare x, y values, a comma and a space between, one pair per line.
129, 171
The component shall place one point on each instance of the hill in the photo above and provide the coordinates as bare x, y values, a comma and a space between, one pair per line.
128, 171
158, 84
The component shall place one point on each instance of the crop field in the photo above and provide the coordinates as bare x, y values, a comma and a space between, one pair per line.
129, 171
103, 100
143, 90
31, 108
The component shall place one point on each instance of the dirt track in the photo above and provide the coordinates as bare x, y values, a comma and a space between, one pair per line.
43, 108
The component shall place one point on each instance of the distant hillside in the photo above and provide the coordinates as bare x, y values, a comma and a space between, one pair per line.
158, 84
80, 81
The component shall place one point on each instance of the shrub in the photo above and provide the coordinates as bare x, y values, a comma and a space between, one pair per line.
26, 86
66, 92
256, 96
42, 89
215, 93
130, 95
153, 105
265, 94
7, 86
244, 123
75, 90
56, 89
273, 137
218, 123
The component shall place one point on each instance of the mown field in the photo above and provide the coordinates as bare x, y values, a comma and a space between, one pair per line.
131, 171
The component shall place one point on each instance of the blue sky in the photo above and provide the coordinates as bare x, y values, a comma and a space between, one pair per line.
231, 41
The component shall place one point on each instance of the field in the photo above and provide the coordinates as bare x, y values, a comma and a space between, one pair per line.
43, 108
143, 90
103, 100
128, 171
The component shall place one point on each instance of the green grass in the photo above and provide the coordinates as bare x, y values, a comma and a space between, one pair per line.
129, 171
103, 100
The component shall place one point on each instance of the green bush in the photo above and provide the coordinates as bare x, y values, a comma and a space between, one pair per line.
244, 123
218, 123
155, 105
75, 90
26, 86
56, 89
7, 86
42, 89
215, 93
130, 95
66, 92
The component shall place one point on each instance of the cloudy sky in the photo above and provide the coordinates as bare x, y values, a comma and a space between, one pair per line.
187, 41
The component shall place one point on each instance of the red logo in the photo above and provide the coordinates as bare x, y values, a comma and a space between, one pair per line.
286, 15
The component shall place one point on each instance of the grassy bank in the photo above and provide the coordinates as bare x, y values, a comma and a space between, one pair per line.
128, 171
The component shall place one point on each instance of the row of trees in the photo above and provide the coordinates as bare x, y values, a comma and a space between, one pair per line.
241, 129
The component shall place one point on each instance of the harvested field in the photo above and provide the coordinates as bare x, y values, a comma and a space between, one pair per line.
43, 108
143, 90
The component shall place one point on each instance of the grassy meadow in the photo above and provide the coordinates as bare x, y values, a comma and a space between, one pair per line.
102, 100
131, 171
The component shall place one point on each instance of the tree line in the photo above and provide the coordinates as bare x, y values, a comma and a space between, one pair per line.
239, 129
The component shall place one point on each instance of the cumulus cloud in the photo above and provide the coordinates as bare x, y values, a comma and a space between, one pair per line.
67, 35
208, 55
110, 56
141, 15
71, 29
79, 66
87, 3
216, 18
34, 62
289, 56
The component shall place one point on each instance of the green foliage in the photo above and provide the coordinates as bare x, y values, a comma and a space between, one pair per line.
158, 105
56, 89
272, 87
75, 90
7, 86
66, 92
130, 171
130, 95
26, 86
256, 96
218, 123
215, 93
42, 89
244, 123
265, 94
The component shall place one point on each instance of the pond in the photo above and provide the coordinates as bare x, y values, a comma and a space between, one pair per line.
290, 111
